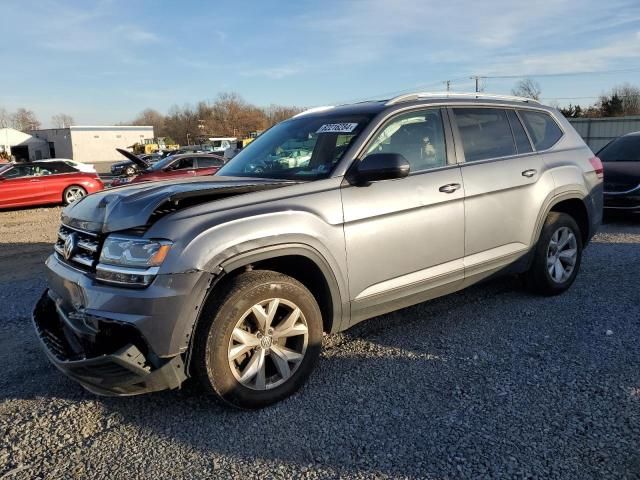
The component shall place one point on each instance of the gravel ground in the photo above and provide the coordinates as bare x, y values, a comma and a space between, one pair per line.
489, 382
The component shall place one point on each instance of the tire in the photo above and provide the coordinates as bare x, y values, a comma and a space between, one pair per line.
130, 171
72, 194
557, 257
245, 365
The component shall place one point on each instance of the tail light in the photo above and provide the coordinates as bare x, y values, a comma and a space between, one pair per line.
596, 163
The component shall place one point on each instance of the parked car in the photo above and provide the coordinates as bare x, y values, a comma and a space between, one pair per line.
233, 278
81, 167
41, 183
621, 160
130, 168
175, 166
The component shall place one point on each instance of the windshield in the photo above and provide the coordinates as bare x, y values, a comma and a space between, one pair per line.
623, 149
303, 148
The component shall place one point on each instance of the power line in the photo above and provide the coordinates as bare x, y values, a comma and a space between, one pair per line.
562, 74
478, 78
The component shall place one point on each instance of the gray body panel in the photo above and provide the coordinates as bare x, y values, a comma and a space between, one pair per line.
380, 247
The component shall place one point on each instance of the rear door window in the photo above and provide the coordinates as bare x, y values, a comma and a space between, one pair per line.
208, 162
53, 168
522, 141
183, 164
543, 130
485, 133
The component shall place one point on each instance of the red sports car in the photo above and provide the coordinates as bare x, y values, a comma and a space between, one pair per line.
25, 184
173, 166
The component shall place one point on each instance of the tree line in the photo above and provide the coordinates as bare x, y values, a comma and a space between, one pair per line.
620, 101
25, 120
229, 115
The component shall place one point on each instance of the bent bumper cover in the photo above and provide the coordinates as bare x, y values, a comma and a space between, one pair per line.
125, 371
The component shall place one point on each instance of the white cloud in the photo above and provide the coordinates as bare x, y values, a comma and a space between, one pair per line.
574, 60
136, 34
275, 73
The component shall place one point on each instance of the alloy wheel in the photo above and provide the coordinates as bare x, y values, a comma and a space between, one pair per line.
268, 344
74, 194
562, 254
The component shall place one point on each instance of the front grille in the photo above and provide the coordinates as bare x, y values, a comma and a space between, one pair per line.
86, 251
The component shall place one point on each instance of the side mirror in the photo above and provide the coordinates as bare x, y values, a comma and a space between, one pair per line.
379, 166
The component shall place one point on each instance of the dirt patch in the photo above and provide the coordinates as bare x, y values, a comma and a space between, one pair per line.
26, 240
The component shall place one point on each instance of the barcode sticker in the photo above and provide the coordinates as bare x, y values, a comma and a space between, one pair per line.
337, 128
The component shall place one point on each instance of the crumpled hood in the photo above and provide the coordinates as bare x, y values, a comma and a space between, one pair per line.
135, 205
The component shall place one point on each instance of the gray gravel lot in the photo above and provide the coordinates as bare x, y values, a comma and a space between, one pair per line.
489, 382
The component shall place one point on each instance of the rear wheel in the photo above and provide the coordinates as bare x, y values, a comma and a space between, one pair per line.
557, 256
258, 339
72, 194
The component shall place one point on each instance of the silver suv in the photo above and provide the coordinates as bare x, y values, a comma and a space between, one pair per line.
332, 217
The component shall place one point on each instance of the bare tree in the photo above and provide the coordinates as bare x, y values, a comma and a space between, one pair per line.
24, 120
630, 97
278, 113
62, 120
231, 115
228, 115
153, 118
5, 118
181, 124
527, 88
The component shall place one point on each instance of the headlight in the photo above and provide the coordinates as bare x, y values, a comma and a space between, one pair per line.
134, 252
130, 260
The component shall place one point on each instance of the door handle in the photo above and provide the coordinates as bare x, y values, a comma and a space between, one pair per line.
34, 180
449, 188
529, 173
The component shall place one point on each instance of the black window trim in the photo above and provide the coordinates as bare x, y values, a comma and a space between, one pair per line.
523, 129
550, 115
457, 137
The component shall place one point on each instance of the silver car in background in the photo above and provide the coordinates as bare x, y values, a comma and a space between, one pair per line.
232, 279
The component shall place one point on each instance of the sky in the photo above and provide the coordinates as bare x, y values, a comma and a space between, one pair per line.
103, 61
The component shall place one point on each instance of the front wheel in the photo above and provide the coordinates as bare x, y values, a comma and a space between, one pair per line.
258, 339
557, 255
73, 194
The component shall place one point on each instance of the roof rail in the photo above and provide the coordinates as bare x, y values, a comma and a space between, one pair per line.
408, 97
313, 110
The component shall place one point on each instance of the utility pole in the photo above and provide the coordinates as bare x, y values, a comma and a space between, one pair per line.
477, 79
448, 84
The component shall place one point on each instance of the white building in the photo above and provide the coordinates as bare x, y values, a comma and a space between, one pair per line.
22, 146
92, 144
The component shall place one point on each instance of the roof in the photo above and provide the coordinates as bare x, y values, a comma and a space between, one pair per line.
376, 106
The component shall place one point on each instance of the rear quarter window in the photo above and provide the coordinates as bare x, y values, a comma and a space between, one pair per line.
542, 128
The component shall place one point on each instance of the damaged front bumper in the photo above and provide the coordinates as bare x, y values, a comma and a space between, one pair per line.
105, 357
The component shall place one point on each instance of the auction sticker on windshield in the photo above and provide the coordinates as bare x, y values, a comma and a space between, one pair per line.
337, 128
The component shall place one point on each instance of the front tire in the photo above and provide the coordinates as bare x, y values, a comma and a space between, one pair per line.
557, 255
258, 339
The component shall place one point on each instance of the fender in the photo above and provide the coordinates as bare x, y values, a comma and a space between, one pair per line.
337, 290
553, 199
